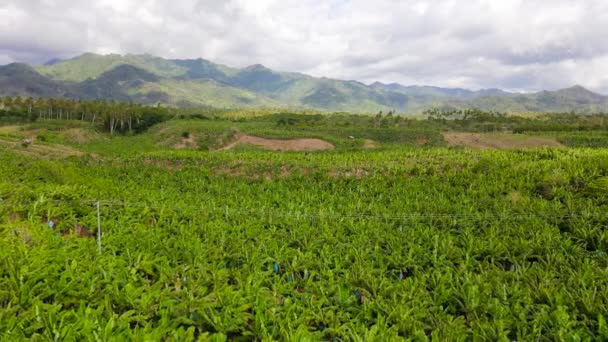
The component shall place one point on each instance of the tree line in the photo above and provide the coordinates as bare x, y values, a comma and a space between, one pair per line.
479, 120
112, 116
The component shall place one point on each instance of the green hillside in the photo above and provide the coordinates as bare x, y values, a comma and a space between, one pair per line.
22, 80
198, 82
207, 93
92, 65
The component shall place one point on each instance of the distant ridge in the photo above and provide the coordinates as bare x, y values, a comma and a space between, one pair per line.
453, 93
199, 82
52, 61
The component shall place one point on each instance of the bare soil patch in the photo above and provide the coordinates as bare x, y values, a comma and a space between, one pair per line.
369, 144
78, 135
186, 142
498, 141
354, 173
53, 151
422, 141
9, 129
306, 144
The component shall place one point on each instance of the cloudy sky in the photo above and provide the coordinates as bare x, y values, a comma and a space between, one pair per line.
516, 45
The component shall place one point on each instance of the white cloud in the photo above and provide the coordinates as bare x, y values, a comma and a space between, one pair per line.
513, 44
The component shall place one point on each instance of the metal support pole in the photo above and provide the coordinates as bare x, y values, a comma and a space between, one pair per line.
98, 229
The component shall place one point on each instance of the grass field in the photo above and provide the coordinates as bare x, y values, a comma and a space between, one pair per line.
409, 238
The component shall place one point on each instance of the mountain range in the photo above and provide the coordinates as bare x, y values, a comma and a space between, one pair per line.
197, 82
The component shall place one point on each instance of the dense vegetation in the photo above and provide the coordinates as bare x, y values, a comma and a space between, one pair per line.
478, 120
112, 116
120, 117
412, 239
